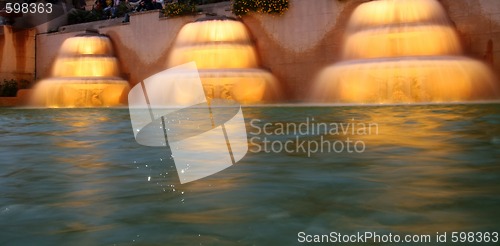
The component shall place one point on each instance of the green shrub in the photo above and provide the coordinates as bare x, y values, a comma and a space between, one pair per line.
24, 84
243, 7
123, 8
9, 88
179, 9
77, 16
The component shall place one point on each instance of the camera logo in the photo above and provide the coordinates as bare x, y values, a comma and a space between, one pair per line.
170, 109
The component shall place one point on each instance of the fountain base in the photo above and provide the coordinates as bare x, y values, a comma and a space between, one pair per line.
407, 80
246, 86
85, 92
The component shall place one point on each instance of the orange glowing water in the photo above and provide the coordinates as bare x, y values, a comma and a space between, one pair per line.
85, 74
403, 51
226, 59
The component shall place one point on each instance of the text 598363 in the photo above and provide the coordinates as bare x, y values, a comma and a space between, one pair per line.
28, 8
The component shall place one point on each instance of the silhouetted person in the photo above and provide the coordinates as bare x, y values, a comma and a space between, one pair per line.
142, 6
157, 5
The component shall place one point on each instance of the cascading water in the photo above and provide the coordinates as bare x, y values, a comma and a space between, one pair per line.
85, 74
403, 51
226, 60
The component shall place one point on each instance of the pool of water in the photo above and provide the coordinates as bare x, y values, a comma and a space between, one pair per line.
77, 176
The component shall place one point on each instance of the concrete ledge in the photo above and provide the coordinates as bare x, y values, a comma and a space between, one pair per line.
91, 25
145, 12
21, 99
9, 101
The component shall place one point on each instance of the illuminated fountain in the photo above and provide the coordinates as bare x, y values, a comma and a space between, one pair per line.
226, 60
403, 51
85, 74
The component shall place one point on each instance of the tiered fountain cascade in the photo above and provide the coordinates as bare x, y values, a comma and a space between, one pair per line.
85, 74
226, 60
403, 51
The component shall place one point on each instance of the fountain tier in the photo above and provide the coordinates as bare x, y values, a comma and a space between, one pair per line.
406, 80
390, 12
85, 74
226, 60
403, 51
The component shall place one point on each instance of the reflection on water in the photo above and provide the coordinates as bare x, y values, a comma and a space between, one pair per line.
77, 175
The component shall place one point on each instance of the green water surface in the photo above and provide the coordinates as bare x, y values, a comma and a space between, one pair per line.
77, 177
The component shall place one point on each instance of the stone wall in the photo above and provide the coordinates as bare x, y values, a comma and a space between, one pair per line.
294, 46
299, 44
17, 54
478, 23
